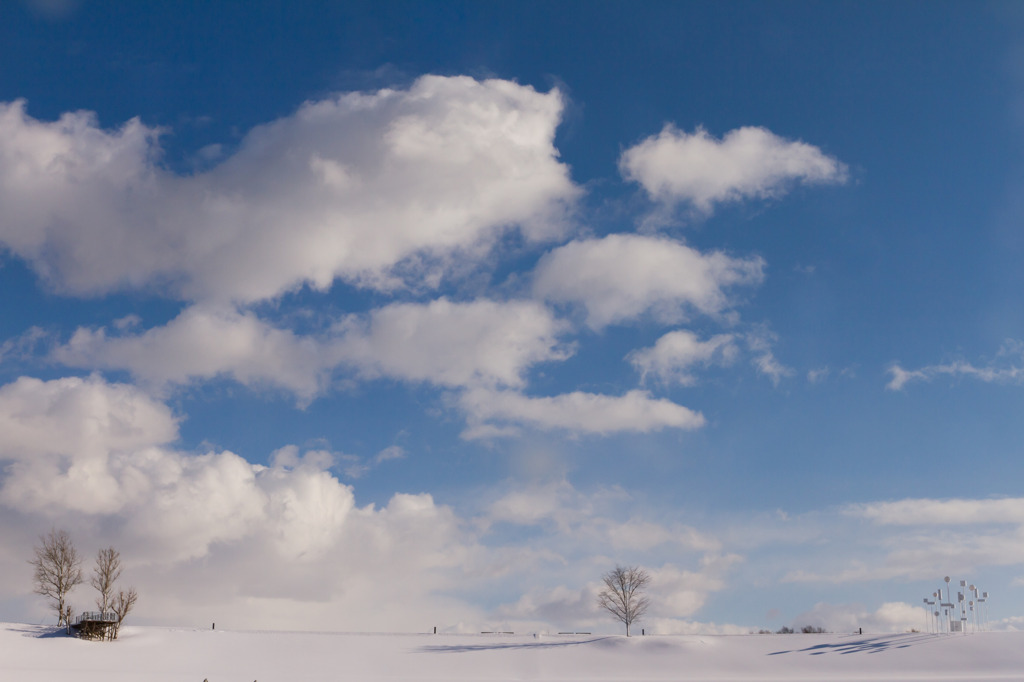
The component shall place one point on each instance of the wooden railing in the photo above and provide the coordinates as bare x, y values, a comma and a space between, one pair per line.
95, 617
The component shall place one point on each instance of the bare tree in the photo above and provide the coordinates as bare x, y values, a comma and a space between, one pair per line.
104, 575
623, 596
58, 571
122, 605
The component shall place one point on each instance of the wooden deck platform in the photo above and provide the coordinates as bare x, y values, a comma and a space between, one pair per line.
94, 625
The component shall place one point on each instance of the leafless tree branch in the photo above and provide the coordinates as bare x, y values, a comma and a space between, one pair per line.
122, 605
104, 575
58, 569
623, 596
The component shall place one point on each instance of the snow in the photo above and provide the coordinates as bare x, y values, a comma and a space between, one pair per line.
34, 653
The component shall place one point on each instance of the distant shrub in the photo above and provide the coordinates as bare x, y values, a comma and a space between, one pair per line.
785, 631
811, 629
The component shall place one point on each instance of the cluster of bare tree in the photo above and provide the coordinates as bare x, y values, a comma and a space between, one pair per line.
786, 630
58, 570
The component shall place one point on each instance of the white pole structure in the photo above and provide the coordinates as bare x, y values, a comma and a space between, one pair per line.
961, 601
984, 598
969, 613
947, 605
973, 592
962, 598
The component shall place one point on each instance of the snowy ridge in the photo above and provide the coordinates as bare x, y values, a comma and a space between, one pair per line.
33, 653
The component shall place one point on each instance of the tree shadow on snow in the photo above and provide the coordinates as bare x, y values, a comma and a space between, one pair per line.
40, 631
865, 645
463, 648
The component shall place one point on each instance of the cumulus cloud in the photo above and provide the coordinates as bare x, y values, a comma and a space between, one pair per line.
673, 356
622, 276
202, 343
376, 189
491, 413
675, 593
99, 449
679, 593
676, 166
453, 344
442, 342
283, 545
59, 438
96, 458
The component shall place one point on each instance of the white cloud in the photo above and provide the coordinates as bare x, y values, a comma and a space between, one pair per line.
760, 342
24, 345
576, 412
558, 502
442, 342
282, 544
593, 518
356, 467
675, 166
819, 375
768, 365
53, 10
204, 342
215, 537
674, 355
924, 511
374, 189
681, 626
889, 617
60, 440
900, 376
389, 453
679, 593
675, 595
568, 607
622, 276
640, 535
1007, 367
917, 554
453, 344
87, 447
910, 539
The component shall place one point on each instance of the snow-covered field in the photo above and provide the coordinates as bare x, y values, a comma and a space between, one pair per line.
32, 653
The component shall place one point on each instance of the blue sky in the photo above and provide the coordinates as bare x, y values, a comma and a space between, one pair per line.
432, 313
